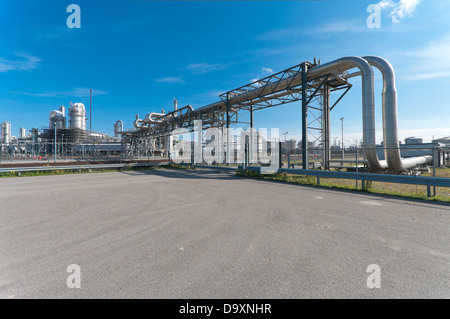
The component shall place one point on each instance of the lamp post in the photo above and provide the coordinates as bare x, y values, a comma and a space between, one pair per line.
285, 148
62, 145
54, 152
342, 129
285, 144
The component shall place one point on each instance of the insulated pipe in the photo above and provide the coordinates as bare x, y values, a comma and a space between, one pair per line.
335, 67
270, 88
368, 100
153, 117
390, 126
121, 124
139, 123
118, 127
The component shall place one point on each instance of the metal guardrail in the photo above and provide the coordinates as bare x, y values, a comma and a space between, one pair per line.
76, 167
388, 178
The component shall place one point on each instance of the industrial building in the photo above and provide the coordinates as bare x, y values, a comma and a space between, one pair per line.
64, 136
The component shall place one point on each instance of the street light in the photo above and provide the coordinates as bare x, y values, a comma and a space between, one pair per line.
342, 128
62, 145
54, 152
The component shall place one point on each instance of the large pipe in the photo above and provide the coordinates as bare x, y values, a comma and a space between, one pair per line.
139, 123
154, 118
334, 67
390, 125
118, 127
269, 88
340, 66
368, 100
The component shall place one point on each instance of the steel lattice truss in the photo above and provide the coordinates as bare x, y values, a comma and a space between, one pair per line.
235, 106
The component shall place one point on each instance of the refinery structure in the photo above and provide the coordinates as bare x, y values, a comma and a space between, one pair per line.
319, 87
66, 135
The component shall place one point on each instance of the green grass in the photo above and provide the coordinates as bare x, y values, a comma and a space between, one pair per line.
54, 172
391, 189
90, 170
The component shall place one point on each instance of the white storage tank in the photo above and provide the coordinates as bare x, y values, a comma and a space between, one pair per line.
77, 114
6, 132
22, 132
57, 117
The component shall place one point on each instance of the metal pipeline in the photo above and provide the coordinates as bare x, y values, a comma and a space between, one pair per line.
368, 100
138, 123
269, 88
157, 118
121, 125
118, 127
390, 125
154, 118
339, 66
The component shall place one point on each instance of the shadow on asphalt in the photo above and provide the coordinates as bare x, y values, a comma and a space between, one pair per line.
219, 174
187, 173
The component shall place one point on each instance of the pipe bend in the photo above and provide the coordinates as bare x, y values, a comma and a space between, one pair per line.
368, 99
390, 118
138, 123
154, 117
121, 124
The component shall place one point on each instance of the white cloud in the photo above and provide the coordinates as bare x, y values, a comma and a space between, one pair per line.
170, 80
77, 92
30, 62
202, 68
399, 10
355, 26
264, 72
430, 62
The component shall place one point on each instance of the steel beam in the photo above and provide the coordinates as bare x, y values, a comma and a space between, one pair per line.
305, 155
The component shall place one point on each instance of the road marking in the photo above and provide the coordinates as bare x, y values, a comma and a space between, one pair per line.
318, 197
370, 203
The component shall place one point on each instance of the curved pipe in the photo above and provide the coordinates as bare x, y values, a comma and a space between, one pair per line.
368, 100
118, 127
390, 125
121, 125
153, 117
138, 123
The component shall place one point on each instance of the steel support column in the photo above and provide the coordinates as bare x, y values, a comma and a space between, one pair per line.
251, 144
305, 155
228, 130
326, 127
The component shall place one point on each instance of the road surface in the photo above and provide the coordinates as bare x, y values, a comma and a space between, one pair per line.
209, 234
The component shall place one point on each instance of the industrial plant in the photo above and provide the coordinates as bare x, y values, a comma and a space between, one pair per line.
316, 85
64, 136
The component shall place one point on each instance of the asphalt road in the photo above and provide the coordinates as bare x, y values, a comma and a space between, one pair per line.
209, 234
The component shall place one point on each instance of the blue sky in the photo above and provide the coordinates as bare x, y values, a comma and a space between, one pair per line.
138, 55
